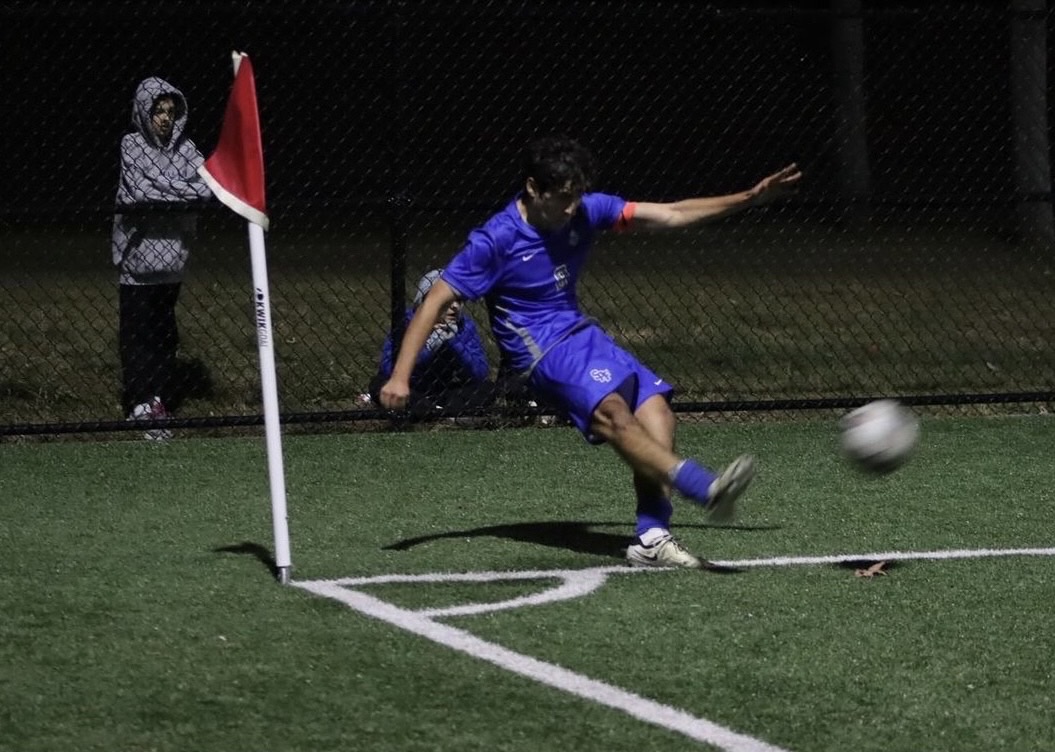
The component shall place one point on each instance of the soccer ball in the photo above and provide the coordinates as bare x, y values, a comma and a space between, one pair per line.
879, 436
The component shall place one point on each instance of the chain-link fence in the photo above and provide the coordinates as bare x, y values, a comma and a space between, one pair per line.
916, 260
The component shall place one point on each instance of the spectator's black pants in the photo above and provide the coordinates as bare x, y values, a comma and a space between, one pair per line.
147, 340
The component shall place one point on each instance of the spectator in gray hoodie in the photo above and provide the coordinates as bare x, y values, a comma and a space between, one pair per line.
154, 227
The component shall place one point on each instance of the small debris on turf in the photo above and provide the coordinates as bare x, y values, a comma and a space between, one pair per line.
875, 570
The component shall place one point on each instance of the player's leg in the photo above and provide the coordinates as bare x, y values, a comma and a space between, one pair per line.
654, 508
614, 423
600, 386
645, 441
655, 546
652, 488
657, 463
688, 476
717, 492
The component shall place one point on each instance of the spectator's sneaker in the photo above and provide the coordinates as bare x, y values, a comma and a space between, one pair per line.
666, 552
152, 410
542, 420
726, 489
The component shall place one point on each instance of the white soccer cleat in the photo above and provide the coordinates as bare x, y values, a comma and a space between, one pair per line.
665, 553
726, 489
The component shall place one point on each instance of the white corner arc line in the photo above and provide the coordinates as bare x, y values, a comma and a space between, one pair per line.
576, 585
552, 675
518, 574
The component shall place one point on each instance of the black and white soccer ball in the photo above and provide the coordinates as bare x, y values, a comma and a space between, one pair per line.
879, 436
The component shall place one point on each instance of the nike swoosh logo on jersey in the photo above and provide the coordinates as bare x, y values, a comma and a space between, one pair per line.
528, 256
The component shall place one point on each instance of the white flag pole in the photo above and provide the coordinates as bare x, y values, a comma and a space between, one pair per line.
269, 390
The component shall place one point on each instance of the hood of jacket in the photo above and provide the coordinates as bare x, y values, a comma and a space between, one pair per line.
147, 93
425, 284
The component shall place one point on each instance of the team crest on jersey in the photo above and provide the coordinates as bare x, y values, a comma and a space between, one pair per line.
560, 276
601, 375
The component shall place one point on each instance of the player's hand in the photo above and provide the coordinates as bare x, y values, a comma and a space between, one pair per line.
395, 394
778, 185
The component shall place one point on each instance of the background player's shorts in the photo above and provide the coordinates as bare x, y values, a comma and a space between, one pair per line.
584, 369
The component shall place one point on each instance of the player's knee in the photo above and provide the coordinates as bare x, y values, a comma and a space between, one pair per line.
657, 416
612, 417
656, 419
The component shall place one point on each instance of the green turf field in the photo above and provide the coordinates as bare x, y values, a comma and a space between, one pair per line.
138, 611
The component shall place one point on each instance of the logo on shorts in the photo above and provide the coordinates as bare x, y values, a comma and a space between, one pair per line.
601, 375
560, 276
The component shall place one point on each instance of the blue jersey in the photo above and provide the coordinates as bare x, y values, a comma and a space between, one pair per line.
528, 278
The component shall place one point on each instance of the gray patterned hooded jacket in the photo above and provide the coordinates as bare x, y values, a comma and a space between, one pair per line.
152, 247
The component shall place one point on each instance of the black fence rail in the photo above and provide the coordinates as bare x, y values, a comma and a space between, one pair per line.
916, 261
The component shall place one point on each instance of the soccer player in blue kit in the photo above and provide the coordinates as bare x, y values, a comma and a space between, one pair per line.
525, 263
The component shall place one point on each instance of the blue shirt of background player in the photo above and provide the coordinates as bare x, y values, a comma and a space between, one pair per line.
528, 278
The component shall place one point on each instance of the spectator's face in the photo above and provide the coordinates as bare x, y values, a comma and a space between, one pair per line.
163, 117
450, 316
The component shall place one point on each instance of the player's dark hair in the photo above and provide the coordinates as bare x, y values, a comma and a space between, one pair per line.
557, 161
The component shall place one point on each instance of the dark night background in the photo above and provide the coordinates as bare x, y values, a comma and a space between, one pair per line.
360, 100
909, 264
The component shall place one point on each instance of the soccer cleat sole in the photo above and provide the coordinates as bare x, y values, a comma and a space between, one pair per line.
730, 485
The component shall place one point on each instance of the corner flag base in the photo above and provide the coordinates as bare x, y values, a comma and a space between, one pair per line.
283, 575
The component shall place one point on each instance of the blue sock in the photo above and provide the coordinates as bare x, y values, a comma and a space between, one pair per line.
653, 512
692, 480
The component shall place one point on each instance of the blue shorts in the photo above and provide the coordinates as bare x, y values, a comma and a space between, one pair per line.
584, 369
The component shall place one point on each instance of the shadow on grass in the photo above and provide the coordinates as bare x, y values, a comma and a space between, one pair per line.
573, 536
867, 568
248, 548
579, 536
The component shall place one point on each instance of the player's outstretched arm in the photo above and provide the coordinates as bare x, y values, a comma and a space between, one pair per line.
396, 392
691, 210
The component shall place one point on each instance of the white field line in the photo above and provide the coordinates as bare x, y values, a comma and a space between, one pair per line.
547, 673
575, 583
965, 553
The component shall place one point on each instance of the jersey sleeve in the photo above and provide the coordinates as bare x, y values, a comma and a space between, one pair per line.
606, 211
475, 269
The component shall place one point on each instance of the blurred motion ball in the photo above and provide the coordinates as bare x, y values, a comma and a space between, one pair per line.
880, 436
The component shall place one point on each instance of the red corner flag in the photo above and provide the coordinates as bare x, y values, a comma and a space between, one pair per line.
235, 171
